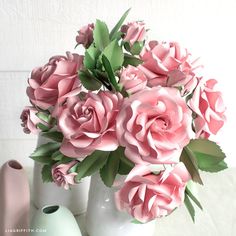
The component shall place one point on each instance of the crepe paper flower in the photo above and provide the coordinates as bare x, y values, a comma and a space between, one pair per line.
85, 35
134, 32
168, 64
89, 124
30, 120
61, 175
133, 79
52, 83
147, 196
209, 107
154, 125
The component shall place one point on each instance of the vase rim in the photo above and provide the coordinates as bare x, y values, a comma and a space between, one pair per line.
15, 165
50, 209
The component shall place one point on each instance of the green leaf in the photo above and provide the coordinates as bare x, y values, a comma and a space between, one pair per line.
54, 135
110, 169
118, 25
194, 199
188, 158
91, 164
208, 154
101, 35
90, 57
137, 48
114, 54
89, 81
47, 173
43, 116
125, 164
131, 60
110, 73
44, 152
189, 207
135, 221
42, 127
57, 156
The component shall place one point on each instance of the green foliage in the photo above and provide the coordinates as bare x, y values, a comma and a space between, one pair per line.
43, 153
190, 162
47, 173
101, 35
91, 164
110, 73
117, 163
89, 81
135, 221
131, 60
189, 207
110, 169
54, 135
114, 54
90, 57
116, 28
208, 154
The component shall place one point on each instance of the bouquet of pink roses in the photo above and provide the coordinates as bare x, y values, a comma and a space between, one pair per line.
128, 106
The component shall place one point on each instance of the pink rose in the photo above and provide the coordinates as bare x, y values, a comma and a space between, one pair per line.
147, 196
133, 79
85, 35
61, 175
209, 107
89, 124
168, 64
30, 120
55, 81
154, 125
134, 32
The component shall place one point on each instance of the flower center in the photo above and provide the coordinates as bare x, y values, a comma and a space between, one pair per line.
160, 124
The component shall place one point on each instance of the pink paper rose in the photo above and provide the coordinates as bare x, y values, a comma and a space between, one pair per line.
133, 79
61, 175
89, 124
168, 64
154, 125
134, 32
85, 35
147, 196
209, 107
30, 120
52, 83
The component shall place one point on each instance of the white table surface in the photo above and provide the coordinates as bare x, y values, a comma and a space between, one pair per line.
218, 198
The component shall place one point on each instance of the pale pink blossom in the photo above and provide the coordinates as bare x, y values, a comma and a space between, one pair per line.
133, 79
168, 64
154, 125
134, 32
208, 105
52, 83
30, 120
147, 196
89, 124
85, 35
61, 175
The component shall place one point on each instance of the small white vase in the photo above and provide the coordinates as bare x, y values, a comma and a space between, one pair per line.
75, 199
54, 221
103, 219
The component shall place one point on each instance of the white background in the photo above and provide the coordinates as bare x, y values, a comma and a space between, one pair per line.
31, 31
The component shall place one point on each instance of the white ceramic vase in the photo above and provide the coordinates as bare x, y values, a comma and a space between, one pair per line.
14, 200
103, 219
54, 220
74, 199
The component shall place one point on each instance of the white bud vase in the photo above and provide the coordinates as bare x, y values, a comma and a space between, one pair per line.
103, 219
14, 200
54, 221
75, 199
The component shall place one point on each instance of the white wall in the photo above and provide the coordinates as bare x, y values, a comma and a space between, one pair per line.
32, 30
